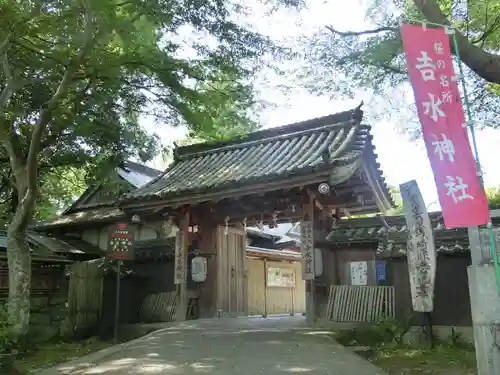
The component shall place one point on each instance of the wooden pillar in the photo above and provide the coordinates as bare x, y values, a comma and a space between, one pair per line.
265, 288
308, 215
208, 289
182, 289
336, 257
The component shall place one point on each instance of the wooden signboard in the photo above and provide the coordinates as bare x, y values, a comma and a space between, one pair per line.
179, 266
121, 242
307, 250
421, 251
281, 277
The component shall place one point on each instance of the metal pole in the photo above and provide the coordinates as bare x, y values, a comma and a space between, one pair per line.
117, 301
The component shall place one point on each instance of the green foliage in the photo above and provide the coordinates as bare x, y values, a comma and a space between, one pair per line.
442, 359
384, 331
76, 76
390, 330
6, 338
233, 102
111, 61
398, 202
492, 193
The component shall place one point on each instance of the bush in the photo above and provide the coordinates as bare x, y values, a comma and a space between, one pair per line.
6, 337
389, 330
384, 331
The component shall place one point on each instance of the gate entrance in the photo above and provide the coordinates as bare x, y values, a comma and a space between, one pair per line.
232, 295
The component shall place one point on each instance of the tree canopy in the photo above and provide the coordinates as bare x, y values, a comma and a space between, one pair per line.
341, 61
76, 75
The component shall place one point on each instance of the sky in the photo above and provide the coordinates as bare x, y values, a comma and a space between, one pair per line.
402, 159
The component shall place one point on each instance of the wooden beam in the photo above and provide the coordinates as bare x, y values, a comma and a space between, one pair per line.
253, 210
265, 187
333, 198
308, 215
265, 288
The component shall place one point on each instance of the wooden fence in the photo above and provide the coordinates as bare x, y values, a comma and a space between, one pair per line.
360, 304
158, 307
85, 295
162, 307
46, 279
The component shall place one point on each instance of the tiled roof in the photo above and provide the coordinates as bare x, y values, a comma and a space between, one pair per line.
389, 234
45, 248
137, 174
328, 148
99, 215
134, 176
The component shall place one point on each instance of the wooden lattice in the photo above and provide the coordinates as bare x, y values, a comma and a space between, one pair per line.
360, 304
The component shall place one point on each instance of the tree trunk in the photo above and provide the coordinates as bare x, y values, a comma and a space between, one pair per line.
19, 261
484, 63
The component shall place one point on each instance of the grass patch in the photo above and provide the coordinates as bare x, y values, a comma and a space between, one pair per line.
442, 360
52, 354
388, 351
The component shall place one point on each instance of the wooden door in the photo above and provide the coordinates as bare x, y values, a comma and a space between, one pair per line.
232, 292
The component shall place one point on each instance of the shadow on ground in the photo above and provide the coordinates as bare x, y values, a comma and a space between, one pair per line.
226, 347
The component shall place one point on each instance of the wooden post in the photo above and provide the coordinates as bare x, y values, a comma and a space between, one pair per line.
485, 302
208, 289
117, 302
336, 258
308, 215
265, 288
182, 291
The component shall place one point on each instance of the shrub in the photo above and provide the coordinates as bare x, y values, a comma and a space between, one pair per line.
6, 337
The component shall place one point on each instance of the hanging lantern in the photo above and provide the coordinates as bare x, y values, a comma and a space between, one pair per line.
324, 188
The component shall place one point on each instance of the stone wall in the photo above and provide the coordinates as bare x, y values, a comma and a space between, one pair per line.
48, 317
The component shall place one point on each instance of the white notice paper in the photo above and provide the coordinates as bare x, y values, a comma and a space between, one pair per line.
359, 273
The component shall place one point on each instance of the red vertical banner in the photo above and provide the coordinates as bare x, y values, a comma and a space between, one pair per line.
439, 106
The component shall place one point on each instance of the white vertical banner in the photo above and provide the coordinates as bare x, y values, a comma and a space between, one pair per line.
307, 250
421, 251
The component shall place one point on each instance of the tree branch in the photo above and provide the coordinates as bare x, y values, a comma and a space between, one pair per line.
10, 140
8, 90
489, 30
359, 33
46, 113
484, 64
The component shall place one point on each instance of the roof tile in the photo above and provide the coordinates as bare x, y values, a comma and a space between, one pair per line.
330, 146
